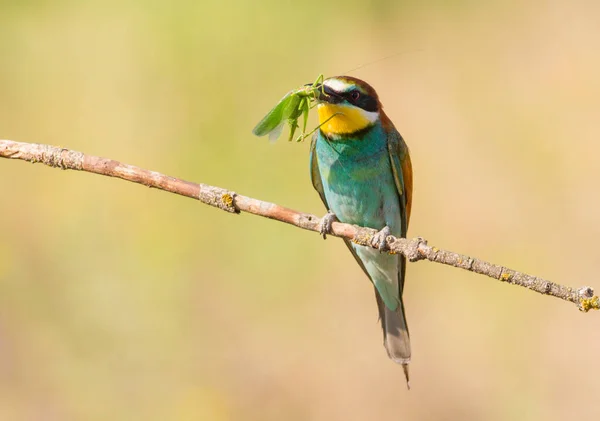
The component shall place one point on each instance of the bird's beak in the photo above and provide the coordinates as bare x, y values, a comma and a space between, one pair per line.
326, 94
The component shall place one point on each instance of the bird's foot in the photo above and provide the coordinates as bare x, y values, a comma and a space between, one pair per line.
326, 223
380, 239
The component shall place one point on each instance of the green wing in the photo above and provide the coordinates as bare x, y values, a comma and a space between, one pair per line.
402, 169
315, 176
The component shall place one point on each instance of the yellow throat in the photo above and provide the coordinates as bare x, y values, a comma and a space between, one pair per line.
337, 119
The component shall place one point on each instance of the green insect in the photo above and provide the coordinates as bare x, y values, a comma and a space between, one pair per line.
290, 108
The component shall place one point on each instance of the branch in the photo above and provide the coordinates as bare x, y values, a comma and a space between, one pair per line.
414, 250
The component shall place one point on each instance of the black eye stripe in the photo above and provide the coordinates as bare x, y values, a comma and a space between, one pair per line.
364, 101
353, 95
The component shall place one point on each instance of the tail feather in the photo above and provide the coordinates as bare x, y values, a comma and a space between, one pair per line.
396, 339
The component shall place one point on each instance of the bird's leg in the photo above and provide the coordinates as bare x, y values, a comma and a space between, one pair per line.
326, 222
380, 239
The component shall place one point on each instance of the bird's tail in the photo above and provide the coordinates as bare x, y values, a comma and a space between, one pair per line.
395, 333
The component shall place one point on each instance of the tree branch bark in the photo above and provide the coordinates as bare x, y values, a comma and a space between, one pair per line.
414, 249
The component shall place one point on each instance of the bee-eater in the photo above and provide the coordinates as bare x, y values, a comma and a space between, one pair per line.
361, 168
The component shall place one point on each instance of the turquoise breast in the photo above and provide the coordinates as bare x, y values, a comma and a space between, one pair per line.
358, 181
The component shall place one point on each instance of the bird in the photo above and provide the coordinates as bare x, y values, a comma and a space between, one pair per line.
361, 168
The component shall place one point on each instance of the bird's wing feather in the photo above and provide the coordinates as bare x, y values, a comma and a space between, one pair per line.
402, 169
397, 339
315, 176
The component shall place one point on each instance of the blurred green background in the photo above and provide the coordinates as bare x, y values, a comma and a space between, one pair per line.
121, 302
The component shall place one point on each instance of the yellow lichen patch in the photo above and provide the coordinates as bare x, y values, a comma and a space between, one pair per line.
227, 199
362, 238
587, 304
505, 276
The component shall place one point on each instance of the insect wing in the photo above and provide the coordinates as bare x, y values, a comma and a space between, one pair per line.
291, 110
274, 117
276, 132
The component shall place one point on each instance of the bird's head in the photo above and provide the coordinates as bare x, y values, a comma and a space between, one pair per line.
347, 106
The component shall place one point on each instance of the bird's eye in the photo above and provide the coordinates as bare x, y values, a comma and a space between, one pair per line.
355, 95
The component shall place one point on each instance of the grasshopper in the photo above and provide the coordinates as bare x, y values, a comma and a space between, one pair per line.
290, 108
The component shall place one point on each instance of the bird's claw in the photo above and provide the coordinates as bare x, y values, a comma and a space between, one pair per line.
326, 223
380, 239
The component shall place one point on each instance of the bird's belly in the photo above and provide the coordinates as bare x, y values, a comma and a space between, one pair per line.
359, 203
367, 198
373, 203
